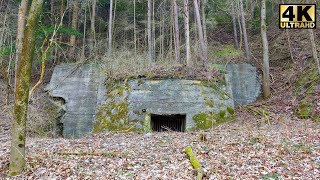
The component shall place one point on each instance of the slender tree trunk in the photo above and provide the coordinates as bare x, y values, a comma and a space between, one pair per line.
244, 31
252, 6
266, 79
234, 23
162, 36
176, 28
74, 25
149, 29
110, 29
134, 27
61, 39
204, 24
239, 24
153, 32
93, 22
53, 10
18, 132
113, 21
171, 39
186, 31
20, 31
197, 51
84, 34
313, 44
314, 49
62, 8
203, 47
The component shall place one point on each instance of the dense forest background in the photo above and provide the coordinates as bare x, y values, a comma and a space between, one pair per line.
80, 31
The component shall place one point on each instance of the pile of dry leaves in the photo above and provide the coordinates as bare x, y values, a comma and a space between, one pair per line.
283, 149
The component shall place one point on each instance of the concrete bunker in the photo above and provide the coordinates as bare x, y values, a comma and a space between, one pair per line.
94, 105
170, 122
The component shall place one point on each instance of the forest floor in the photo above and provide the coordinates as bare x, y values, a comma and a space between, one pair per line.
285, 148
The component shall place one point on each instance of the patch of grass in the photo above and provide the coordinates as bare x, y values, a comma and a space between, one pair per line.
292, 147
271, 176
229, 52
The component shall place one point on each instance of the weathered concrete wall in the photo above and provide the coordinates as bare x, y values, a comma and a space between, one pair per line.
78, 86
83, 90
244, 81
175, 96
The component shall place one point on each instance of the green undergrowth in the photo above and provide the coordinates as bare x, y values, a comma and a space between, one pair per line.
307, 90
228, 51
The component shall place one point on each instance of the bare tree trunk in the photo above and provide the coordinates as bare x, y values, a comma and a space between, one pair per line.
203, 47
52, 9
204, 24
252, 5
60, 38
134, 27
74, 25
314, 49
176, 28
171, 39
239, 24
186, 31
153, 32
110, 29
18, 130
93, 22
162, 36
244, 31
113, 20
313, 44
20, 32
196, 38
150, 43
234, 23
84, 33
266, 79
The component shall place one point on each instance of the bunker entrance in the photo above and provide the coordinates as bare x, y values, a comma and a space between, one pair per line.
176, 122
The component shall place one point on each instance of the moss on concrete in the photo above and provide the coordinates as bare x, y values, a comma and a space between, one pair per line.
113, 116
230, 110
208, 120
147, 123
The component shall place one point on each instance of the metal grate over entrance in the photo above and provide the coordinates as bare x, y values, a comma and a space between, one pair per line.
176, 122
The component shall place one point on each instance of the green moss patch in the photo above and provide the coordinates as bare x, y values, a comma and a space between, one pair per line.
113, 116
211, 119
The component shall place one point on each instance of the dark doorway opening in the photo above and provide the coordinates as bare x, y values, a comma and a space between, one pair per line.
175, 122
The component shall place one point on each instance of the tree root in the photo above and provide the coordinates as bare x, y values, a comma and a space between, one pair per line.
194, 162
